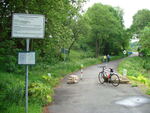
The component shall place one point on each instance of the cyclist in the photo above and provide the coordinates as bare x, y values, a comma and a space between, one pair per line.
104, 58
108, 58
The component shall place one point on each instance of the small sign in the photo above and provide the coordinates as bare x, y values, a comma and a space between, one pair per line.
124, 72
65, 51
26, 58
124, 52
28, 25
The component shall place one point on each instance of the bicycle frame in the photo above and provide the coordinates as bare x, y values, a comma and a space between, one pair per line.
107, 74
106, 70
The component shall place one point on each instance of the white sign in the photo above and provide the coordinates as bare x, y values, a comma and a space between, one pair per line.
26, 58
28, 26
124, 52
124, 72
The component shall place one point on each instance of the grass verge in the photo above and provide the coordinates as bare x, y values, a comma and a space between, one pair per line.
138, 71
42, 79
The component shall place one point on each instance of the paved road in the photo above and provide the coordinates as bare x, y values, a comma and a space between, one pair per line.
88, 96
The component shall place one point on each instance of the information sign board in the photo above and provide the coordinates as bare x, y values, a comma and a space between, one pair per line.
28, 25
124, 52
26, 58
65, 51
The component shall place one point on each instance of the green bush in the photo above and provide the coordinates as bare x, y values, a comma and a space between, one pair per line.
146, 63
12, 97
32, 108
131, 64
116, 57
11, 91
136, 69
40, 93
134, 85
51, 81
15, 92
148, 92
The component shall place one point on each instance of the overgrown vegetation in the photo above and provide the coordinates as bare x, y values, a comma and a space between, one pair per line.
138, 70
40, 84
141, 28
107, 34
98, 31
139, 67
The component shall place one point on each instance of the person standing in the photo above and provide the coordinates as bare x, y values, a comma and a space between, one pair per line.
108, 58
105, 58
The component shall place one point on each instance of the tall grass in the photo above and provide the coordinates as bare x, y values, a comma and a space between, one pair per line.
12, 99
137, 70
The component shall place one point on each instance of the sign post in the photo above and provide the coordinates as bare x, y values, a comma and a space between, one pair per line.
124, 52
64, 51
81, 76
28, 26
26, 83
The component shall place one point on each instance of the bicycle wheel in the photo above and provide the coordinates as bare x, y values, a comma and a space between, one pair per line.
101, 77
115, 80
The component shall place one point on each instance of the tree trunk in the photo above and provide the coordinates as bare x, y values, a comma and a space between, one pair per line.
71, 46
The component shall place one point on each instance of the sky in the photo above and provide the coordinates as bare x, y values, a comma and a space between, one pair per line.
130, 7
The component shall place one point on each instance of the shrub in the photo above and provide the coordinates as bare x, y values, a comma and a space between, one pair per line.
51, 81
141, 79
41, 93
148, 92
134, 85
32, 108
146, 64
11, 91
137, 69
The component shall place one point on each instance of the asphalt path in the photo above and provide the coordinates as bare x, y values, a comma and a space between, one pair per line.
89, 96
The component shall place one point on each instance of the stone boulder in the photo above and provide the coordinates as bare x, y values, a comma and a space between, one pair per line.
72, 79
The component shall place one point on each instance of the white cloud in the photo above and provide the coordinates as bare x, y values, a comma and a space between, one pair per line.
130, 7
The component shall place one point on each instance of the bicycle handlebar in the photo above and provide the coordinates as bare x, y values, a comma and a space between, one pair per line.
101, 66
111, 70
104, 67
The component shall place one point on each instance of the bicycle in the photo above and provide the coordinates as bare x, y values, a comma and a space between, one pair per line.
111, 77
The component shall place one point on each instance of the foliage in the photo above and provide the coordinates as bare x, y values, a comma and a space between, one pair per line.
133, 46
40, 93
64, 28
11, 90
140, 20
148, 92
33, 108
59, 29
40, 84
50, 80
141, 27
134, 85
144, 41
139, 78
136, 70
132, 65
116, 57
8, 56
106, 31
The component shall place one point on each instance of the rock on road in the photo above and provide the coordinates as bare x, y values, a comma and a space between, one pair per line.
89, 96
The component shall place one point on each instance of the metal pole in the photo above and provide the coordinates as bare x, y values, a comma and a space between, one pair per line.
64, 54
26, 81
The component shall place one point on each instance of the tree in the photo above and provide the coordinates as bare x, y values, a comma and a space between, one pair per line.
107, 30
144, 41
58, 14
141, 26
140, 20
